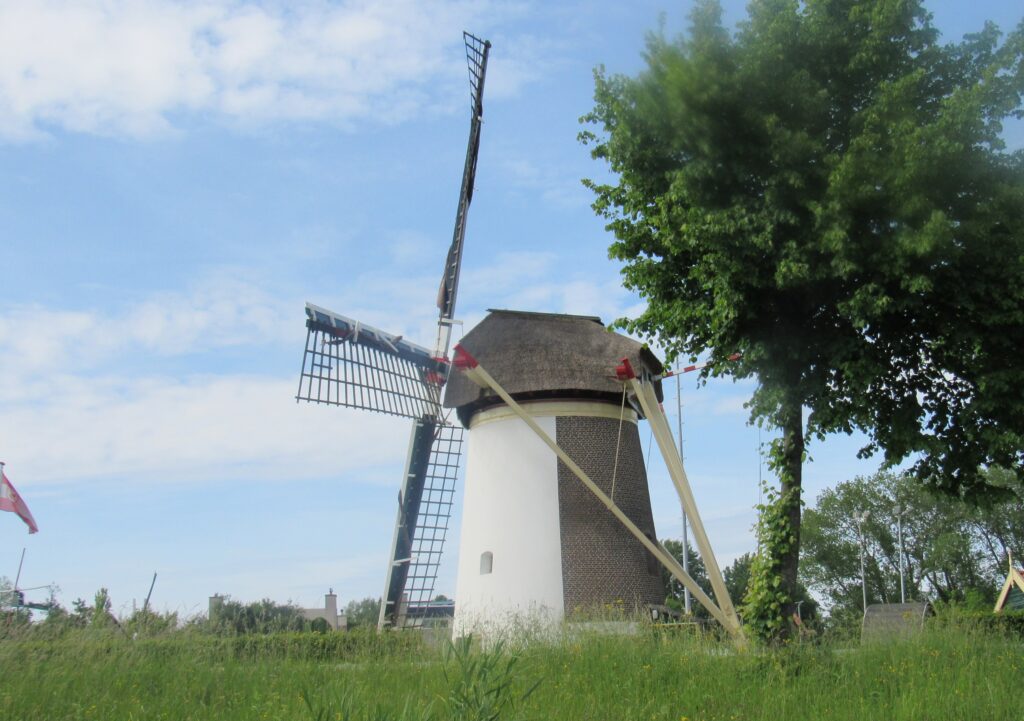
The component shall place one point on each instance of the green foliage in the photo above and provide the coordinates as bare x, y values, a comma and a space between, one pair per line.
320, 625
81, 612
101, 617
1008, 624
764, 606
360, 644
737, 577
146, 622
826, 192
953, 551
674, 589
7, 596
954, 671
341, 706
13, 618
481, 683
261, 617
363, 613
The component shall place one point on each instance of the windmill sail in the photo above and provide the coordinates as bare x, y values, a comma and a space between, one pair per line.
351, 364
424, 525
348, 363
477, 51
421, 528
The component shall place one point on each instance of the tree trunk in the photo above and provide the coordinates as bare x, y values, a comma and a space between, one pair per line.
791, 477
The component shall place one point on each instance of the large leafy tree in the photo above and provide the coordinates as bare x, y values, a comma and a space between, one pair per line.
826, 191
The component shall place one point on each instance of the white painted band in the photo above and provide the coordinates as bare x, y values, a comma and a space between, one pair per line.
546, 409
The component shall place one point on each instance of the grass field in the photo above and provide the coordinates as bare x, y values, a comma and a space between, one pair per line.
942, 674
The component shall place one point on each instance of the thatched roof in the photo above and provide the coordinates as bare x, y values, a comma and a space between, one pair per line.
545, 355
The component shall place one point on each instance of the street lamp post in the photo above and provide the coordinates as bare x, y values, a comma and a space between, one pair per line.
861, 518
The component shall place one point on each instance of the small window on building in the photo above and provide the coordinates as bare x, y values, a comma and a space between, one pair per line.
486, 562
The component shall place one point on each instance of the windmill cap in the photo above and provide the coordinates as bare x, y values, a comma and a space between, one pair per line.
537, 356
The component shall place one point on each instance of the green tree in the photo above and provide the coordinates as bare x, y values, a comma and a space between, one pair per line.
826, 192
14, 619
81, 613
8, 598
147, 622
57, 622
674, 589
951, 549
737, 577
998, 522
265, 616
363, 613
101, 616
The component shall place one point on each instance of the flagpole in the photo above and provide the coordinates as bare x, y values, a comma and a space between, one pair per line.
18, 577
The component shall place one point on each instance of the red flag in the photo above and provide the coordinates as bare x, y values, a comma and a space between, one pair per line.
11, 501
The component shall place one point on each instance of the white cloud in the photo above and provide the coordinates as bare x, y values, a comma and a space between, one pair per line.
132, 395
605, 299
521, 280
131, 66
83, 395
163, 430
553, 183
522, 59
219, 311
506, 274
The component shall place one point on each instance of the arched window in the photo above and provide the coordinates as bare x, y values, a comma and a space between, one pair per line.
486, 562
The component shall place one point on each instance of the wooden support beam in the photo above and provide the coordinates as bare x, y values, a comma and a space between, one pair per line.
663, 434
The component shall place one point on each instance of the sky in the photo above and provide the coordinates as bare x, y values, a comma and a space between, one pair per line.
178, 179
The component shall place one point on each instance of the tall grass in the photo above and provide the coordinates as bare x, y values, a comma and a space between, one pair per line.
944, 673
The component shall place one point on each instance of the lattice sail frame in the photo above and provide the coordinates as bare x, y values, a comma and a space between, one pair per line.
477, 51
421, 527
351, 364
433, 520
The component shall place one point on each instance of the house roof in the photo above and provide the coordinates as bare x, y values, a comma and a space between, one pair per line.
545, 355
1011, 597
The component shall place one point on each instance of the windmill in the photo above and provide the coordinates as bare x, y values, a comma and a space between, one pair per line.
348, 363
557, 514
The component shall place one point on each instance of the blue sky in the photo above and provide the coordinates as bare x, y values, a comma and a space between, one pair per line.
177, 179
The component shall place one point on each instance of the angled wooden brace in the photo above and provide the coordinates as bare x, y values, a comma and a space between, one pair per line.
465, 362
666, 444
